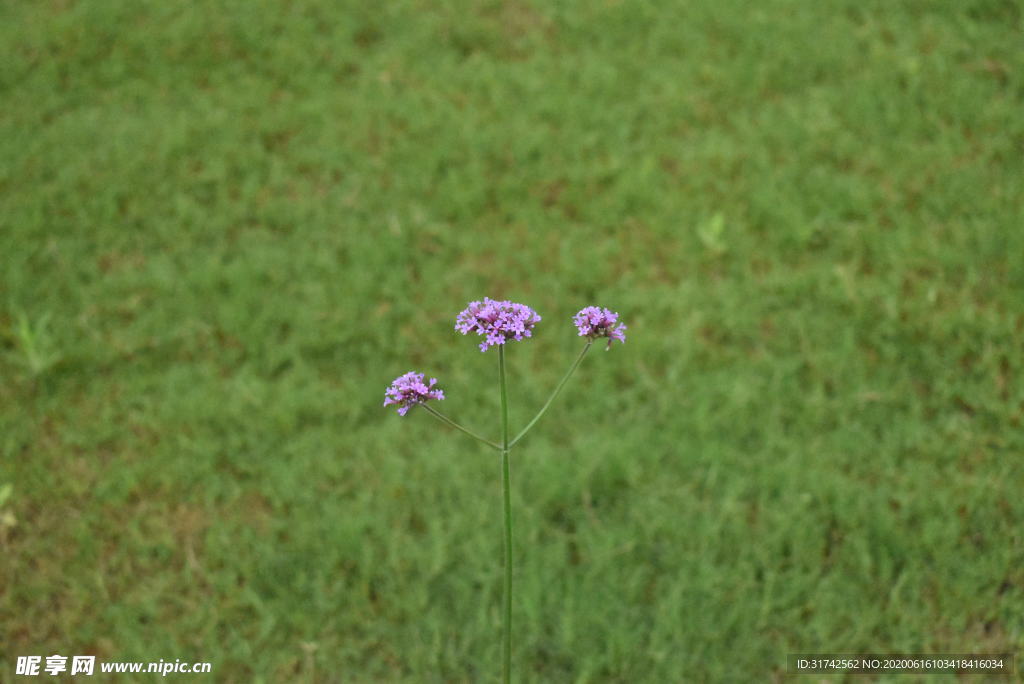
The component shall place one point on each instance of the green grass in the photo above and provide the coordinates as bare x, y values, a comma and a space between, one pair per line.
225, 227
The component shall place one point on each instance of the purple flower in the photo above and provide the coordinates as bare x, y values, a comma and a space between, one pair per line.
497, 321
594, 322
408, 390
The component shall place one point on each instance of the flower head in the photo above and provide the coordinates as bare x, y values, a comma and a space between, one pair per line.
594, 322
497, 321
408, 390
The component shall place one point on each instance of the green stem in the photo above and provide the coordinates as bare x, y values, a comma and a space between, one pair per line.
448, 421
506, 489
554, 394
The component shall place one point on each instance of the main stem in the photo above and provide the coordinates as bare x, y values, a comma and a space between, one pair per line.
507, 493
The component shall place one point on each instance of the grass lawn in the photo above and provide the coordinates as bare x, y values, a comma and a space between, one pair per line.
225, 227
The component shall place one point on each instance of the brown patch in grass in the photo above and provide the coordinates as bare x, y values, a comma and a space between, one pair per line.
518, 19
116, 260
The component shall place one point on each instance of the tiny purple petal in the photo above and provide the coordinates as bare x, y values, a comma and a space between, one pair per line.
497, 321
593, 322
408, 390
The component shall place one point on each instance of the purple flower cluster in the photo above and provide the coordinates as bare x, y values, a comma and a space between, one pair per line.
408, 390
497, 321
594, 322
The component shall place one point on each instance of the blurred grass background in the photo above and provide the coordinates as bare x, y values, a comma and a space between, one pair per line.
225, 227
